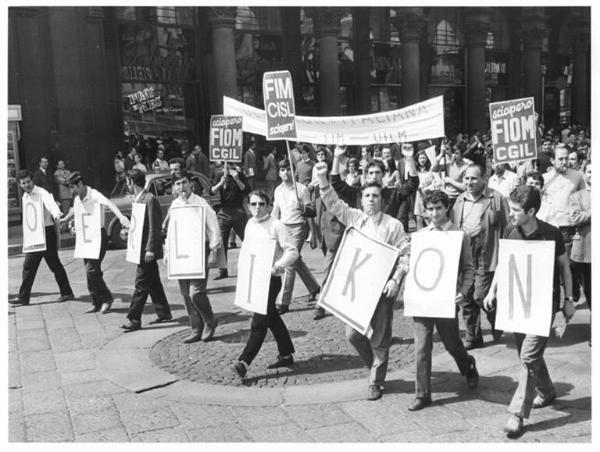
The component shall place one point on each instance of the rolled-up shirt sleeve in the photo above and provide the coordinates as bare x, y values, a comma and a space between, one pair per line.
345, 214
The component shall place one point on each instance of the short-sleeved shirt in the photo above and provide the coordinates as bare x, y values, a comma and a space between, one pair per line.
544, 231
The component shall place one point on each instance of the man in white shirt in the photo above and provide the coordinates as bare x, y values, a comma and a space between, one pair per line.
503, 180
91, 199
50, 255
290, 208
197, 304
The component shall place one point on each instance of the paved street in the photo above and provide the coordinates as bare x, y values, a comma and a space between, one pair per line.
77, 377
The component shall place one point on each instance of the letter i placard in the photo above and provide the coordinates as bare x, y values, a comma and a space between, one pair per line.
254, 275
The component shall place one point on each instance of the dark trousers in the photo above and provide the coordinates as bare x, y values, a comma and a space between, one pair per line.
147, 282
196, 300
32, 263
272, 321
584, 271
231, 218
95, 282
448, 332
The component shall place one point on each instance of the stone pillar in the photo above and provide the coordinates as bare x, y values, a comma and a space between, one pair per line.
222, 21
477, 24
579, 31
292, 54
410, 23
362, 59
327, 25
533, 29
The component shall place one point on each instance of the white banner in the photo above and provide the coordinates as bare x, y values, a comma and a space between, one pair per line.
254, 275
525, 274
360, 270
186, 243
34, 230
136, 228
431, 282
421, 121
88, 239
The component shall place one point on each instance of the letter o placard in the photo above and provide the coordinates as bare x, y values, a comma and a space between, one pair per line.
30, 208
440, 269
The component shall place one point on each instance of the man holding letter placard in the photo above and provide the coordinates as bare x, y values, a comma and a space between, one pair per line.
437, 205
34, 221
90, 202
379, 226
524, 203
193, 290
263, 227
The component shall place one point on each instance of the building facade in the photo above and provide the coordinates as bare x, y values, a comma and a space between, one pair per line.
90, 78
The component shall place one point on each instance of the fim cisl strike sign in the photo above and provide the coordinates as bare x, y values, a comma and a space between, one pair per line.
280, 111
226, 138
512, 123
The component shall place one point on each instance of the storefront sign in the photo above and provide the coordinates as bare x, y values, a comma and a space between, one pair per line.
88, 238
353, 289
278, 93
421, 121
136, 228
431, 282
226, 138
254, 275
185, 243
34, 230
513, 127
525, 273
144, 100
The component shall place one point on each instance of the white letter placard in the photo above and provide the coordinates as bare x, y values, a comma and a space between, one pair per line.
525, 274
186, 239
360, 270
88, 239
254, 275
34, 230
136, 228
431, 282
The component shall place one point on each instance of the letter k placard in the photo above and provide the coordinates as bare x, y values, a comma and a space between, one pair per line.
350, 278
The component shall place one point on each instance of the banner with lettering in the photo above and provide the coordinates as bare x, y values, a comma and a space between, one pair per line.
88, 223
136, 228
431, 282
513, 128
254, 275
34, 230
525, 273
360, 270
185, 243
226, 138
421, 121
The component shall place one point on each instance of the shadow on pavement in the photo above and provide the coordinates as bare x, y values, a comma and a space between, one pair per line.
573, 415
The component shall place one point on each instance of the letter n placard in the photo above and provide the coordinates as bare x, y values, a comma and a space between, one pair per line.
525, 273
254, 275
186, 243
88, 238
431, 283
360, 270
34, 231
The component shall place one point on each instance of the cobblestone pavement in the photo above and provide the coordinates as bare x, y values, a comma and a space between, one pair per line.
59, 391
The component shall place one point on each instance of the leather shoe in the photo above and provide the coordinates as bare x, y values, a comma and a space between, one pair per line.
472, 375
160, 320
221, 274
514, 426
419, 403
92, 309
283, 308
64, 298
209, 330
192, 338
541, 402
374, 392
473, 344
131, 325
240, 369
17, 300
105, 308
281, 362
318, 313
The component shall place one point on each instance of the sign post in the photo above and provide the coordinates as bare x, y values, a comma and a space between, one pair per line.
513, 127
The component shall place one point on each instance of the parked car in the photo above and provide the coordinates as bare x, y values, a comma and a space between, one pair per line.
159, 184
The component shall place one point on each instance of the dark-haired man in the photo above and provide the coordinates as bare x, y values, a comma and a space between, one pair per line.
524, 203
50, 255
147, 277
43, 178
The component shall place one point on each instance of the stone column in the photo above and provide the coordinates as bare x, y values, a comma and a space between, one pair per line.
533, 29
222, 21
292, 55
579, 31
327, 26
362, 59
410, 23
477, 24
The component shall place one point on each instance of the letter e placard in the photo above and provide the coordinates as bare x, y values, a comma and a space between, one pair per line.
88, 238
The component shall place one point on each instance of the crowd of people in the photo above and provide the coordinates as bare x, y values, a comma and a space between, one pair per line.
385, 191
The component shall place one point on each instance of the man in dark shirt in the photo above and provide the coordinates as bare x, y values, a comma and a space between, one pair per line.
524, 202
43, 178
232, 189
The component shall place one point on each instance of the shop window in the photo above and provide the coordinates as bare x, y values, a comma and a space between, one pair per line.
385, 98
